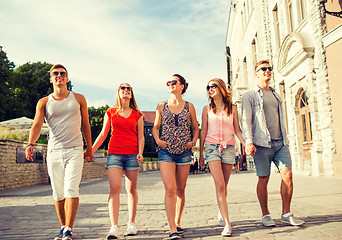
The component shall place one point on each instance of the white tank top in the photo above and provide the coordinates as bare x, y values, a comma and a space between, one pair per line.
64, 121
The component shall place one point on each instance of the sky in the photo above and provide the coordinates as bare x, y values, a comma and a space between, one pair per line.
109, 42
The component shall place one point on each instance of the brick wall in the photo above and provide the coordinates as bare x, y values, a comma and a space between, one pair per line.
15, 175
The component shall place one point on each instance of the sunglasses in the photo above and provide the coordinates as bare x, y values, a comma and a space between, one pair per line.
265, 69
124, 88
213, 86
56, 73
173, 82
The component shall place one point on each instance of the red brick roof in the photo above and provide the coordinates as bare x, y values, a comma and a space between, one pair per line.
149, 117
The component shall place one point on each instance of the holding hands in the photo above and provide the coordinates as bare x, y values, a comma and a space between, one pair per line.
201, 161
88, 155
250, 149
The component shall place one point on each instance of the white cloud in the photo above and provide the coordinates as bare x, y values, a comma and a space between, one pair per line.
103, 45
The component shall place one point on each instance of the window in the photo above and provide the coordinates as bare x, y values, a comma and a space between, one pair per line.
245, 73
283, 95
276, 26
254, 52
302, 9
290, 13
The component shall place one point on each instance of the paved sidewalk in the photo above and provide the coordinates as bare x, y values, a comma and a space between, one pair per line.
28, 213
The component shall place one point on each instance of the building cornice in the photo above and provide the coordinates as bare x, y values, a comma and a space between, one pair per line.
332, 36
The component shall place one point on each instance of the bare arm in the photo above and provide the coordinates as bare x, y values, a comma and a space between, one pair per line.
156, 127
237, 128
204, 129
194, 125
85, 126
36, 127
141, 139
103, 134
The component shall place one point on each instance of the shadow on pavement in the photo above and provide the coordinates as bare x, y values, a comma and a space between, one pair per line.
242, 227
22, 221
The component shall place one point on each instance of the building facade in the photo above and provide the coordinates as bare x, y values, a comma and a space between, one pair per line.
290, 34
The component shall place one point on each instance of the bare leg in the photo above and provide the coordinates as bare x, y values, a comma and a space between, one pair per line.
221, 173
263, 194
132, 193
168, 174
59, 205
286, 189
114, 178
71, 206
182, 172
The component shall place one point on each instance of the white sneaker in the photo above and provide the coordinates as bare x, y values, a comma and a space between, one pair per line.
113, 232
221, 221
291, 220
227, 231
131, 229
267, 221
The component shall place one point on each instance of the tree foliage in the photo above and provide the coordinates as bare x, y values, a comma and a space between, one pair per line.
6, 70
22, 87
96, 116
31, 82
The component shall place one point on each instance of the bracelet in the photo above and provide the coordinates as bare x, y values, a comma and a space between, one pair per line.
30, 145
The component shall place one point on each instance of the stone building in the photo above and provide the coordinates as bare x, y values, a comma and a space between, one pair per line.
291, 33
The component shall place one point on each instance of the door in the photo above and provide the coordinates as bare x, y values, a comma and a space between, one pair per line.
305, 122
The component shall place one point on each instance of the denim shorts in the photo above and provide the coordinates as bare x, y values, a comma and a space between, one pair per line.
179, 159
227, 155
279, 154
125, 162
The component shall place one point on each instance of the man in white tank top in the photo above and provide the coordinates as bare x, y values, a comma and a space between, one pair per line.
66, 114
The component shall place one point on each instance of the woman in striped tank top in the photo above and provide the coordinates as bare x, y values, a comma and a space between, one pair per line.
219, 123
176, 116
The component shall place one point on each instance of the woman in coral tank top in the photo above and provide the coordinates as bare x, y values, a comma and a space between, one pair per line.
125, 151
219, 124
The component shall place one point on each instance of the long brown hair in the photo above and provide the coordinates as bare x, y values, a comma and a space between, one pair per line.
132, 102
227, 97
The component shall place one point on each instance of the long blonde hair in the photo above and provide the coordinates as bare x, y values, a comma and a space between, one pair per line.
132, 102
227, 97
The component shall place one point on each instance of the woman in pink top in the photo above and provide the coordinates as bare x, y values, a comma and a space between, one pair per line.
219, 123
125, 151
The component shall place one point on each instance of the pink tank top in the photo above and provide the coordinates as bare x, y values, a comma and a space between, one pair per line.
220, 129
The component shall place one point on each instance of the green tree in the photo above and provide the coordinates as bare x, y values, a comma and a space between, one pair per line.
31, 81
96, 116
6, 70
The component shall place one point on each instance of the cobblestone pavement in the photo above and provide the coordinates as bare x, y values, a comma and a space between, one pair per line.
28, 213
